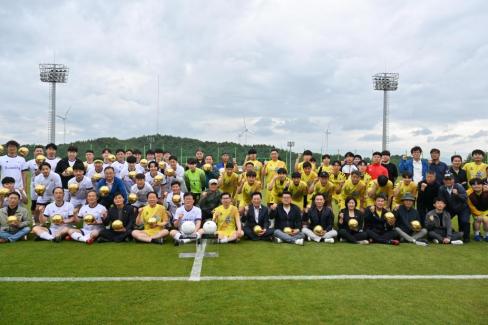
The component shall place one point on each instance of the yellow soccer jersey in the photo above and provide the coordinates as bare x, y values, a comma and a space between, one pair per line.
357, 191
277, 191
229, 183
323, 168
159, 212
298, 192
271, 168
299, 167
226, 219
366, 178
402, 189
258, 166
310, 178
327, 189
247, 190
387, 190
475, 171
337, 180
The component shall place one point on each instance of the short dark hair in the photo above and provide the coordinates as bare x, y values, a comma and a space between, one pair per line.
407, 174
12, 143
191, 161
307, 153
89, 151
349, 154
286, 192
175, 183
356, 172
140, 176
119, 150
188, 194
8, 180
478, 152
476, 180
151, 192
456, 156
382, 180
52, 146
257, 193
109, 167
439, 199
415, 148
376, 153
307, 164
225, 193
325, 156
14, 193
251, 173
131, 159
435, 150
45, 164
72, 149
386, 153
78, 166
172, 157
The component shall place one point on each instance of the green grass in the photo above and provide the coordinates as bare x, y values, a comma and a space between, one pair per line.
243, 302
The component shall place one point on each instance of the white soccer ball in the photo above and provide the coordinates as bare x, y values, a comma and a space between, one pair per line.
209, 227
187, 228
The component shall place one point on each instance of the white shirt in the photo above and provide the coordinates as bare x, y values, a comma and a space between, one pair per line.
417, 171
97, 212
66, 210
118, 167
141, 194
193, 215
83, 187
13, 167
53, 162
50, 182
347, 169
256, 214
287, 209
170, 206
124, 176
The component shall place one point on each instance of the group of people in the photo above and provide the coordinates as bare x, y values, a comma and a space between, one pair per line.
127, 196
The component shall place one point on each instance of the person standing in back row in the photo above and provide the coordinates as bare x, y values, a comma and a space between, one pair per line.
416, 166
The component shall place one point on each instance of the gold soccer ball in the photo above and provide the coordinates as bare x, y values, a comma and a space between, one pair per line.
12, 219
69, 171
162, 164
152, 221
85, 164
207, 167
353, 224
143, 163
4, 191
39, 189
158, 178
111, 158
104, 190
257, 229
40, 159
73, 188
132, 174
170, 171
287, 230
390, 217
23, 151
96, 177
2, 149
89, 219
416, 226
176, 198
117, 225
57, 219
132, 198
318, 229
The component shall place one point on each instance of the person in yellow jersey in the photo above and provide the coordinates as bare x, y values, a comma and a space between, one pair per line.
298, 190
252, 157
269, 171
155, 219
307, 157
308, 175
406, 185
382, 185
228, 221
229, 180
354, 187
476, 168
478, 205
365, 177
338, 178
325, 166
323, 186
248, 166
277, 186
249, 186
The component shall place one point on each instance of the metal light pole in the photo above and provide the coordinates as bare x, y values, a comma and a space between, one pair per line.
53, 73
290, 145
64, 118
387, 82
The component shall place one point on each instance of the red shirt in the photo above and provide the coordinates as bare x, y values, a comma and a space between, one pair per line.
376, 170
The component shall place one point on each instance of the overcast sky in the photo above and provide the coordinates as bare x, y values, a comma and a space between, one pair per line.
291, 68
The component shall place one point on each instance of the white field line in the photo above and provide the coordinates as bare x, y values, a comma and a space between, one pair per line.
248, 278
196, 269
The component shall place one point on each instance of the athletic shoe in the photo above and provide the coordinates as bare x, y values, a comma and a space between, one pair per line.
299, 242
394, 242
277, 240
435, 241
456, 242
329, 240
176, 242
90, 241
477, 238
363, 242
420, 243
158, 241
342, 240
422, 240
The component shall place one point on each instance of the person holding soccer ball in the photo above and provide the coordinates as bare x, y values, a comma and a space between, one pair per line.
155, 219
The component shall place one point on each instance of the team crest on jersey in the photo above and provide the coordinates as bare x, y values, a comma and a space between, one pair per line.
227, 220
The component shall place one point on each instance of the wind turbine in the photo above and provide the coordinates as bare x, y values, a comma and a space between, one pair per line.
244, 132
64, 118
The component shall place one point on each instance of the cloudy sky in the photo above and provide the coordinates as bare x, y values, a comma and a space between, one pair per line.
291, 68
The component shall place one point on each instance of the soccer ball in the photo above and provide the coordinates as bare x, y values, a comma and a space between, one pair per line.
389, 217
207, 167
89, 219
85, 164
318, 229
23, 151
39, 189
152, 221
69, 171
416, 226
169, 172
73, 188
57, 219
12, 219
353, 224
132, 198
209, 227
104, 190
117, 225
96, 177
162, 164
187, 228
5, 191
132, 174
176, 198
287, 230
143, 163
40, 159
2, 149
111, 158
257, 229
158, 178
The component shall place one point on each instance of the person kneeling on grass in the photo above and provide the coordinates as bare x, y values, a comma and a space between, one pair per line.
187, 212
228, 221
257, 225
409, 227
60, 215
155, 219
438, 223
288, 221
121, 230
380, 223
351, 223
14, 220
318, 221
478, 204
93, 215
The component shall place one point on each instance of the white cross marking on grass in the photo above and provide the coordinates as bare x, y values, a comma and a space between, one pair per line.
196, 269
250, 278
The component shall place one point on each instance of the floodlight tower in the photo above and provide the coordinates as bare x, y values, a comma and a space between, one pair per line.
53, 73
290, 144
387, 82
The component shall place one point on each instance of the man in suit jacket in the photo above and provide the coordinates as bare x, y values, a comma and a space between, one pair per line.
256, 214
288, 221
115, 184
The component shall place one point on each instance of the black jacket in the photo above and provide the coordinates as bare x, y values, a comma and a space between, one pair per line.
455, 202
324, 218
392, 171
61, 167
372, 221
127, 217
460, 177
263, 218
293, 219
425, 199
404, 217
345, 220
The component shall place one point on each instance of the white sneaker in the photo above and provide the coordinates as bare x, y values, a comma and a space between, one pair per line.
419, 243
329, 240
277, 240
456, 242
299, 242
435, 241
363, 242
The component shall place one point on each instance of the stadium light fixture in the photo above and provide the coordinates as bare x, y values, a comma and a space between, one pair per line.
386, 82
53, 73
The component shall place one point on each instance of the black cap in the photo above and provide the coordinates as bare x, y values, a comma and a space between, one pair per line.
447, 176
323, 174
